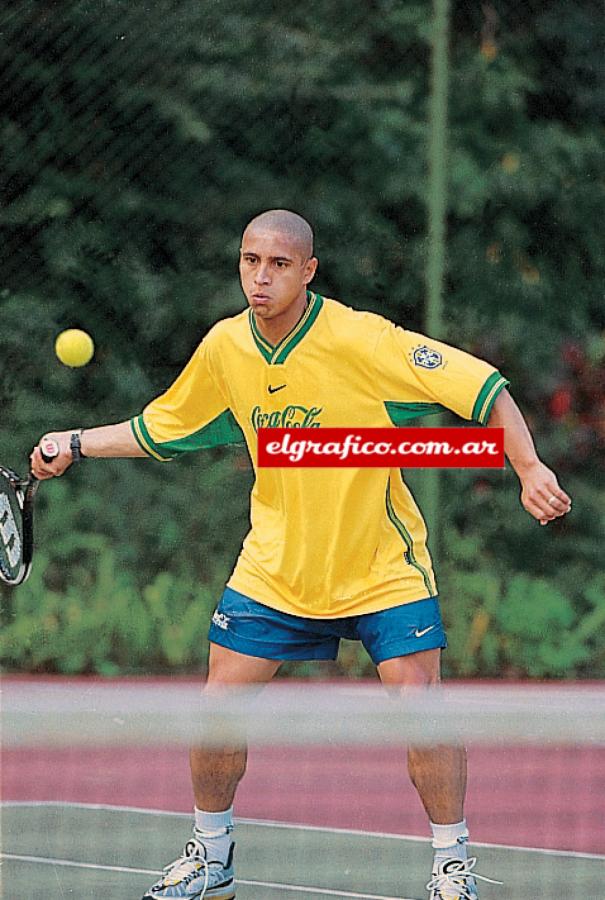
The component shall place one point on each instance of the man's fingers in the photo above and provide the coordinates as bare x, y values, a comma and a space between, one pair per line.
39, 467
542, 497
559, 506
540, 510
556, 499
49, 449
547, 504
58, 457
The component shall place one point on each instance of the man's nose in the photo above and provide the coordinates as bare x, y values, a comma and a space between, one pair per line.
262, 275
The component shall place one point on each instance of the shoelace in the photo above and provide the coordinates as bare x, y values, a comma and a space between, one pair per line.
186, 867
458, 871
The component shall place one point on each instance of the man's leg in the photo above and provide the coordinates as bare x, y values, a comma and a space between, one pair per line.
205, 868
216, 773
437, 773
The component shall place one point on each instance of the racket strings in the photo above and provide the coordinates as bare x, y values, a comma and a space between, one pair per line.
14, 505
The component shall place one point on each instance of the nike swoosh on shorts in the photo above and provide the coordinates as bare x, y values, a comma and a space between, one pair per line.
424, 631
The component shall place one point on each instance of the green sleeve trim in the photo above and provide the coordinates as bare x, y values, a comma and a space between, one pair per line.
487, 396
146, 442
136, 436
485, 414
222, 431
400, 413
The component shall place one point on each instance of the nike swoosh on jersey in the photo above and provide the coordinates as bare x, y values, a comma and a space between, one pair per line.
273, 390
424, 631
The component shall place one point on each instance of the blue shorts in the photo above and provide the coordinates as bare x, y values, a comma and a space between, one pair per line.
248, 627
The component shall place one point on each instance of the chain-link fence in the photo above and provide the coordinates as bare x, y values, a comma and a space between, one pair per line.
136, 141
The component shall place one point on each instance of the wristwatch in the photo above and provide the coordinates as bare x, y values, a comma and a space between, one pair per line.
75, 445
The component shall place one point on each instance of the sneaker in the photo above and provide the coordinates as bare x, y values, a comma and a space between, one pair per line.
453, 879
194, 877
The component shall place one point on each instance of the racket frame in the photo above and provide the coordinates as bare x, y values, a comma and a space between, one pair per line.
25, 492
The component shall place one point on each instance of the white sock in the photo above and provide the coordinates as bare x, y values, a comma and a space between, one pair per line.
450, 840
213, 829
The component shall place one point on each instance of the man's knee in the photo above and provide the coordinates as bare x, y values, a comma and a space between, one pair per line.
416, 670
226, 667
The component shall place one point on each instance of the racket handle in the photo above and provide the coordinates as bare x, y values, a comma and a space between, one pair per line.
49, 449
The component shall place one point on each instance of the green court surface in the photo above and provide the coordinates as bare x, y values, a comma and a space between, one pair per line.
54, 851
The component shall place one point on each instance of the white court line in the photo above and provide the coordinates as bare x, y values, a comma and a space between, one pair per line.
298, 888
76, 864
267, 823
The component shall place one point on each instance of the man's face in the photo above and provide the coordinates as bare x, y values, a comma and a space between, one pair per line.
273, 272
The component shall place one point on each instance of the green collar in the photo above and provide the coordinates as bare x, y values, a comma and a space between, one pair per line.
277, 355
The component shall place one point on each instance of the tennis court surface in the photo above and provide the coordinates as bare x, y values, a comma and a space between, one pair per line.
93, 817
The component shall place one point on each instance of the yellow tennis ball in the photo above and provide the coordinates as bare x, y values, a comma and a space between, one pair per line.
74, 347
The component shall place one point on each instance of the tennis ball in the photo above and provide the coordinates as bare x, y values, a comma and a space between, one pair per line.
74, 347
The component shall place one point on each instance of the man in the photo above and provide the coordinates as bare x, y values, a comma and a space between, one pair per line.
331, 552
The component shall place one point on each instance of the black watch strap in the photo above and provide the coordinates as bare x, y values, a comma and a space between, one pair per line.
75, 445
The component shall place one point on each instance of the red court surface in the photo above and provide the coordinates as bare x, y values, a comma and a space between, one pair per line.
522, 796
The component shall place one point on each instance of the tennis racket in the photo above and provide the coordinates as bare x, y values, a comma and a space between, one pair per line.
17, 497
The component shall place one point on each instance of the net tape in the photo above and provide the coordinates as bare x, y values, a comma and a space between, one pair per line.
59, 714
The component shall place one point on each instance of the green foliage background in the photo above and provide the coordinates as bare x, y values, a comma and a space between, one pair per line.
136, 140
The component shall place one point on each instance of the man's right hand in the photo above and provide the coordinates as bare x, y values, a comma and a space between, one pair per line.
59, 463
109, 441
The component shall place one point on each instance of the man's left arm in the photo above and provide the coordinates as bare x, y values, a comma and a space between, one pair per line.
541, 495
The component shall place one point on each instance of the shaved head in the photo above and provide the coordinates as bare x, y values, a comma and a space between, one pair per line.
288, 224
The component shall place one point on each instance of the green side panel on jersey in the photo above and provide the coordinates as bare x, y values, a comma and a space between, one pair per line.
487, 396
407, 540
400, 413
222, 431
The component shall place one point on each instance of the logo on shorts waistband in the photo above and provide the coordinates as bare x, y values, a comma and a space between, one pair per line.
221, 620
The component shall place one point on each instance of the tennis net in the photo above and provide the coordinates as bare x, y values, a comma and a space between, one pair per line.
96, 795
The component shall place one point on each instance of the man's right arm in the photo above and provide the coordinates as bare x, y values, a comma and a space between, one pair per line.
106, 441
166, 427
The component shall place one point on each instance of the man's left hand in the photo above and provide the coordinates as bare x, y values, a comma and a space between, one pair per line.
541, 495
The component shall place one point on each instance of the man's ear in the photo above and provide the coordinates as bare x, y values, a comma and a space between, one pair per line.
311, 269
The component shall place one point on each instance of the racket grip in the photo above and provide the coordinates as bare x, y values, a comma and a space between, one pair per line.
49, 449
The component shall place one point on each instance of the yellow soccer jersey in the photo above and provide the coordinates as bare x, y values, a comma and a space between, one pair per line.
323, 543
